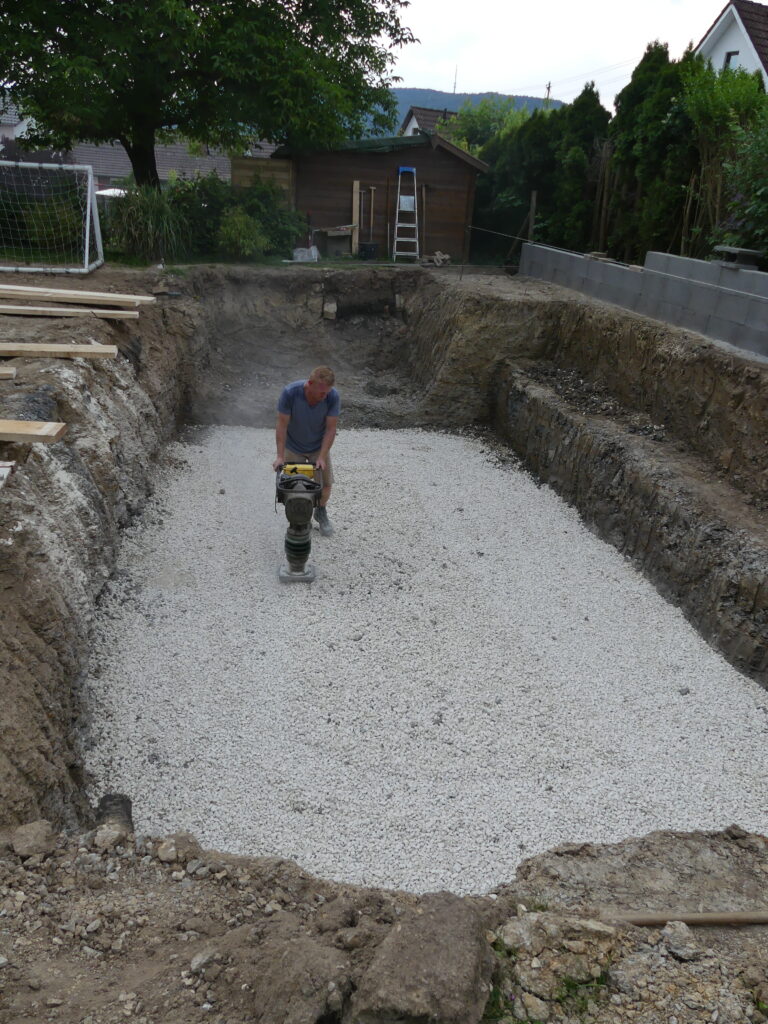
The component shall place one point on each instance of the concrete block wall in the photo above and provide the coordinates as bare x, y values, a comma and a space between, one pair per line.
714, 299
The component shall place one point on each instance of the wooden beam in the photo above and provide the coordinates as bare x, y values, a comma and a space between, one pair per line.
20, 291
7, 372
22, 350
31, 430
102, 314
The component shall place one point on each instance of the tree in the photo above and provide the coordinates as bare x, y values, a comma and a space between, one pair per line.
723, 106
554, 153
746, 186
475, 124
307, 72
653, 155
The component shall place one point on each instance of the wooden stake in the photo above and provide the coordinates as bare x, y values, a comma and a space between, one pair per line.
532, 217
19, 291
24, 350
355, 217
101, 314
372, 190
31, 430
7, 372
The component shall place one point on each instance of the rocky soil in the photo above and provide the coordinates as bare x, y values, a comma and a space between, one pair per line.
656, 435
104, 927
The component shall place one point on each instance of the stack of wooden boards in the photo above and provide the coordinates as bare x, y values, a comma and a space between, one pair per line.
76, 303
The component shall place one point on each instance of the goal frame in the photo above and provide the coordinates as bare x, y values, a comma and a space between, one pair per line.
91, 221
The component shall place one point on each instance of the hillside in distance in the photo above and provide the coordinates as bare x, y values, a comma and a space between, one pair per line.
437, 100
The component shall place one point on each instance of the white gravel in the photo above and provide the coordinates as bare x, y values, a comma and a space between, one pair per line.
473, 678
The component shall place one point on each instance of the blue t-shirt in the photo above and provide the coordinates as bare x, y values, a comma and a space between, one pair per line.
306, 426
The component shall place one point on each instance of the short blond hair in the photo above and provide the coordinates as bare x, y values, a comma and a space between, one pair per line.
324, 374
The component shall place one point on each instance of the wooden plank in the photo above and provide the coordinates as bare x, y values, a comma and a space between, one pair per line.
20, 291
31, 430
101, 314
13, 349
7, 372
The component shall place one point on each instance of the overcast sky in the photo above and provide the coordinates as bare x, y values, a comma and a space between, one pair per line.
516, 48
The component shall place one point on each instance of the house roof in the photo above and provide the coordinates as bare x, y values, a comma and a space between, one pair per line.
111, 160
427, 117
397, 142
754, 18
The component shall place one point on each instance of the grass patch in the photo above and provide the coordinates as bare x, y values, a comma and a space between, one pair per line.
575, 994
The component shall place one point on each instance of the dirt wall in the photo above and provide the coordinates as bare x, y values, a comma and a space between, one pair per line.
60, 518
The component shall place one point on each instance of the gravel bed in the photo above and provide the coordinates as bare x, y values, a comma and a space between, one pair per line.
473, 678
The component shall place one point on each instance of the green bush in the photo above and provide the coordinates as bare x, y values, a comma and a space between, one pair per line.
144, 224
201, 203
240, 235
266, 202
204, 218
51, 224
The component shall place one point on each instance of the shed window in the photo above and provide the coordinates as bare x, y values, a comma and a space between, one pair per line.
728, 59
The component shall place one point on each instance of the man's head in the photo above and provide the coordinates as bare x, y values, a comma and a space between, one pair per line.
319, 383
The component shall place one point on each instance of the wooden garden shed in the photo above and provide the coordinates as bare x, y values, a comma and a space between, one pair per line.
349, 194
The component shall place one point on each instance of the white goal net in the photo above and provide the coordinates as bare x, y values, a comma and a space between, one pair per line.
49, 222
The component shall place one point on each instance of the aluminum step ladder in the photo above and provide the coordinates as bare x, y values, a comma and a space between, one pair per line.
406, 237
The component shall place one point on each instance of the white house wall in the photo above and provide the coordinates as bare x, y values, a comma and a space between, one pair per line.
727, 36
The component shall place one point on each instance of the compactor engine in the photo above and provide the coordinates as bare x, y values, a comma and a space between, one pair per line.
298, 490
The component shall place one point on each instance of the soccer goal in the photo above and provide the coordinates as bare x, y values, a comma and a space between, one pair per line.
49, 221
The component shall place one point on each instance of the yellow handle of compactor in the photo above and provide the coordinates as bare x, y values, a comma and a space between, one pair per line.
299, 469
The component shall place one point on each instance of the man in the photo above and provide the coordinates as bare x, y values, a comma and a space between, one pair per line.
307, 414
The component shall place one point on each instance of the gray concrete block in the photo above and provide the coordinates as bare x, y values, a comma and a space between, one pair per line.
753, 281
694, 320
677, 291
724, 330
753, 339
733, 305
657, 261
694, 270
756, 316
703, 297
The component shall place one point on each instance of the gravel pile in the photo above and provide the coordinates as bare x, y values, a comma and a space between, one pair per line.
472, 679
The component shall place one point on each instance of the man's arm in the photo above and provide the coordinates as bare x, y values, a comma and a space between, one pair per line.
328, 439
281, 433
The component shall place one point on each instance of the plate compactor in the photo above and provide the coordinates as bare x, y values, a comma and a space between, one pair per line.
298, 490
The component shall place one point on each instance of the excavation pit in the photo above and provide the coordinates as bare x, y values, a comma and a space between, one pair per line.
653, 435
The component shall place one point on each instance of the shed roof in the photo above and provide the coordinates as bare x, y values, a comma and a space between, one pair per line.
427, 117
395, 143
754, 18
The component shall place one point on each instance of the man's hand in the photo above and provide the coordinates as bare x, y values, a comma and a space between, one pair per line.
278, 464
320, 462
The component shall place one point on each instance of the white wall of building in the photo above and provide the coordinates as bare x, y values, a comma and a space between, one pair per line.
729, 45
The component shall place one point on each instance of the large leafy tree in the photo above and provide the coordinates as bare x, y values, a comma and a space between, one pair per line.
136, 71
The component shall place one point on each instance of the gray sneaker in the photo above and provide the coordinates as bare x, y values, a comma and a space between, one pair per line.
322, 520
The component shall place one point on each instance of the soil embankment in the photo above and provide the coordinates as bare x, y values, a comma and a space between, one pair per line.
655, 435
